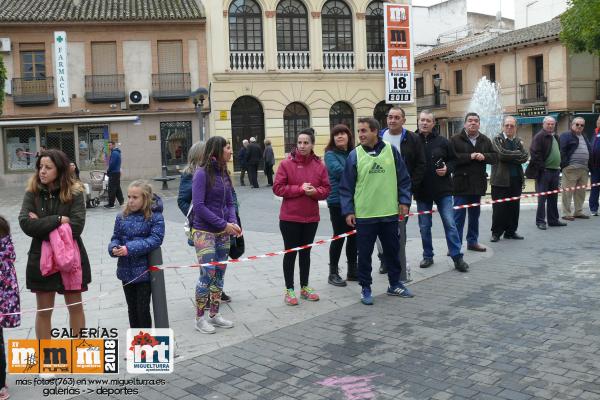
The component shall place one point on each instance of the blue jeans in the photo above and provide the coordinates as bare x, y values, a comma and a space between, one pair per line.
444, 207
366, 234
595, 192
460, 216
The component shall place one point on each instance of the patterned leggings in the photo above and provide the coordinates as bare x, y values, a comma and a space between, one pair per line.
210, 247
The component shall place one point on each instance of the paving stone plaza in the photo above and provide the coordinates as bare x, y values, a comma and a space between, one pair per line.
522, 324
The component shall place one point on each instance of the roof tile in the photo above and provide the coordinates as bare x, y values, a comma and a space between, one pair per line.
30, 11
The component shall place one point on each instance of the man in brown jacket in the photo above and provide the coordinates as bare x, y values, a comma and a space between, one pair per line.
473, 151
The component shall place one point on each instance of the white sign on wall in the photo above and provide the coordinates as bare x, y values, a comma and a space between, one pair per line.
60, 69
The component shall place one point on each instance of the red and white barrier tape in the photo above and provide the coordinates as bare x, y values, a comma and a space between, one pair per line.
317, 243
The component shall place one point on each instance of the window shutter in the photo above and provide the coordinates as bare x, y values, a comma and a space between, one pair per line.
104, 58
170, 57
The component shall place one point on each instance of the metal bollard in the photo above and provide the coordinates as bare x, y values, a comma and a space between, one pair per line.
159, 293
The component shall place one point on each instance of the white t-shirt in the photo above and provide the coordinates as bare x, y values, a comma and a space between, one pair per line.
393, 139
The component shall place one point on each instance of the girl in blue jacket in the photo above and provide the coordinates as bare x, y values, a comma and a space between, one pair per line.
139, 229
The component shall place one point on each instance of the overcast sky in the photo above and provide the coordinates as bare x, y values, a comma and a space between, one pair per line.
481, 6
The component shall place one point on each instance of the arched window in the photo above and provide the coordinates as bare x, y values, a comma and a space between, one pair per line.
380, 113
292, 26
245, 26
337, 26
375, 32
295, 119
341, 113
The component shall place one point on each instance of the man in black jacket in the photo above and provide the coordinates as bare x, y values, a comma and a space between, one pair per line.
436, 186
409, 146
253, 157
544, 167
473, 151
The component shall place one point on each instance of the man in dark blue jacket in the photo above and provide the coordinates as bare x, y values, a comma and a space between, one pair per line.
374, 192
114, 176
575, 153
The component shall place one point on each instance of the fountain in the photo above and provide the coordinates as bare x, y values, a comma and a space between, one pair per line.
486, 102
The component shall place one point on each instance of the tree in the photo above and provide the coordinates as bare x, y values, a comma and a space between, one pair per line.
2, 79
580, 29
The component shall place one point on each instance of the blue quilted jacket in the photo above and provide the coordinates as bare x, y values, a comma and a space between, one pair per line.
140, 236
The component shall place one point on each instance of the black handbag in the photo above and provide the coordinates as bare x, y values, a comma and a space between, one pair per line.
236, 244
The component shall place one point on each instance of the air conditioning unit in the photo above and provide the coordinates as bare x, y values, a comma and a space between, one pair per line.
4, 45
139, 97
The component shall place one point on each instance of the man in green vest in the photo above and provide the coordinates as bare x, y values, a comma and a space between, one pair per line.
374, 193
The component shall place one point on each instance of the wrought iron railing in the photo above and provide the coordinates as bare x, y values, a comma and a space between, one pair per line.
436, 100
33, 91
534, 93
104, 88
173, 86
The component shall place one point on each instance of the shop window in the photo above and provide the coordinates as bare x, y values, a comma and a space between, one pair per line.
20, 149
176, 140
93, 147
60, 139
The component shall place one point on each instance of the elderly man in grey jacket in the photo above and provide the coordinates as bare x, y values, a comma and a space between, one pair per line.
507, 180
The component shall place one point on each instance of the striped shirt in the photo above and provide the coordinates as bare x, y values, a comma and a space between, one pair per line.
581, 155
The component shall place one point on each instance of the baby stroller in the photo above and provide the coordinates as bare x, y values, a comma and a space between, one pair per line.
97, 190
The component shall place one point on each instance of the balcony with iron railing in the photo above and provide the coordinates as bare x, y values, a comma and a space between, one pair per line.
534, 93
338, 60
435, 100
105, 88
293, 60
33, 91
172, 86
598, 89
375, 60
247, 61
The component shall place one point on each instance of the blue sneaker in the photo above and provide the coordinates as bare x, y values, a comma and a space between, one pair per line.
365, 296
399, 290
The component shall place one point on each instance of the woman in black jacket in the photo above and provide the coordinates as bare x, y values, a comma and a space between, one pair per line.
53, 197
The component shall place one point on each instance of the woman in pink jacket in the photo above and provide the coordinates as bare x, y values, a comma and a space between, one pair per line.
302, 181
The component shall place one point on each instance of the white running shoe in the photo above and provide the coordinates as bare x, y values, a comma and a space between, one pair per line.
204, 326
220, 322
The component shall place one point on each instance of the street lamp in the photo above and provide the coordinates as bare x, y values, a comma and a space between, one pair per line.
437, 82
198, 97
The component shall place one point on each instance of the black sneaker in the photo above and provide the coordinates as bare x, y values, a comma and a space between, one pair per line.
108, 206
225, 298
336, 280
461, 265
426, 263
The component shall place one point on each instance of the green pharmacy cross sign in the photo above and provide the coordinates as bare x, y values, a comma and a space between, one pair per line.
61, 72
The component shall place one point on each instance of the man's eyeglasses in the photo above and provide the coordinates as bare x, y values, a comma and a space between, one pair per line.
581, 125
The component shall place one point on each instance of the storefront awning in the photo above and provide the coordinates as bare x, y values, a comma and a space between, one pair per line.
534, 120
61, 121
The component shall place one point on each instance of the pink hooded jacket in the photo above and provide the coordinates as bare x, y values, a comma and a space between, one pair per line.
61, 254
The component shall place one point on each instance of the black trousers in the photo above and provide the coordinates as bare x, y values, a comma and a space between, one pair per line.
297, 234
505, 216
253, 174
335, 248
2, 361
242, 175
138, 304
269, 173
114, 188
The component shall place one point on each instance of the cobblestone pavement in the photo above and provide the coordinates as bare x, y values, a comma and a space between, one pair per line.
524, 324
527, 307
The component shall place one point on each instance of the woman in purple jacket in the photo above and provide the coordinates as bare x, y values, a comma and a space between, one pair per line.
214, 222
